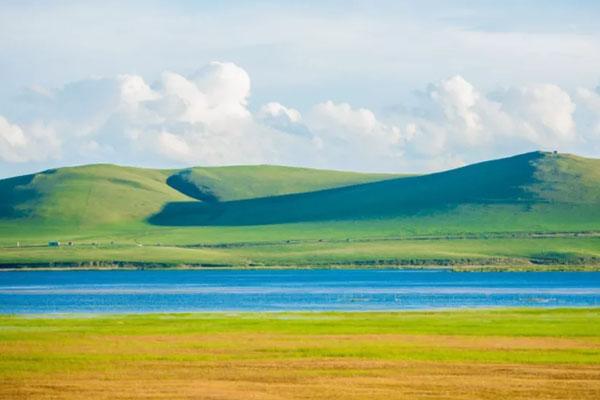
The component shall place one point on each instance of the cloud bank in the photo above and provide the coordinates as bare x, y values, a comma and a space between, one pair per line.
205, 119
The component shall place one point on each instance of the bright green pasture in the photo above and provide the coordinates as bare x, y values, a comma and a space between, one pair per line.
533, 322
507, 252
369, 330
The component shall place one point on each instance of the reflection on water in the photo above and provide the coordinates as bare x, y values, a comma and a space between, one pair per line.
260, 290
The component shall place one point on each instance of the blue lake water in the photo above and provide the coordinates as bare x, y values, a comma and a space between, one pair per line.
288, 290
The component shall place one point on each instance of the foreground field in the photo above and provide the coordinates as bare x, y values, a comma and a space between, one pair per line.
498, 354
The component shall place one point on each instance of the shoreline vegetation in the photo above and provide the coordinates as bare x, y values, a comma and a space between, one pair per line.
455, 268
485, 353
512, 251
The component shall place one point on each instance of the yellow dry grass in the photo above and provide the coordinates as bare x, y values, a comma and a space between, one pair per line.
287, 366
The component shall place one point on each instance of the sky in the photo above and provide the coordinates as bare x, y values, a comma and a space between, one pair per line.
389, 86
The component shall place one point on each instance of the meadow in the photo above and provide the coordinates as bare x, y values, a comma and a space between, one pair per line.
484, 354
531, 210
545, 252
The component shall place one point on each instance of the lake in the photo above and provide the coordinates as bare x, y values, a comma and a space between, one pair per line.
128, 291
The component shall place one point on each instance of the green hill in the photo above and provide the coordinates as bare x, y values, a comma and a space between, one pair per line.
103, 194
533, 183
86, 196
547, 186
523, 211
220, 184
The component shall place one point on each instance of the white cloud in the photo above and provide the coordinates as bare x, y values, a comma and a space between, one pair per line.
226, 87
392, 46
345, 135
134, 90
18, 145
12, 142
457, 99
201, 119
341, 121
205, 119
213, 95
173, 146
455, 119
277, 110
544, 112
282, 118
590, 114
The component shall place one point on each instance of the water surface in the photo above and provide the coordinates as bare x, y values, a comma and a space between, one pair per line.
117, 291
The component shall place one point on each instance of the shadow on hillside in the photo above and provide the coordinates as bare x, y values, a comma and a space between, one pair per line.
16, 191
182, 183
493, 182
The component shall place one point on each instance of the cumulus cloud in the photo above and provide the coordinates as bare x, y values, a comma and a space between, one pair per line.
345, 123
226, 87
284, 119
544, 113
34, 143
199, 119
455, 120
458, 99
344, 134
213, 95
588, 117
277, 110
12, 141
204, 118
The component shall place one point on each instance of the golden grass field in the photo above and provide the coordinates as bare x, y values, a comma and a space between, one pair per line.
488, 354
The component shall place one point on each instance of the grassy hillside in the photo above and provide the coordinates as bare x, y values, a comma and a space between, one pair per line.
523, 210
220, 184
102, 194
540, 184
85, 196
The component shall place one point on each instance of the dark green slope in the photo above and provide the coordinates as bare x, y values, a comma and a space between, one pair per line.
218, 184
108, 194
545, 184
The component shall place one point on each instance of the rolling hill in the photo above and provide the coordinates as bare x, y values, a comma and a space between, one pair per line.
103, 194
530, 209
534, 183
219, 184
85, 196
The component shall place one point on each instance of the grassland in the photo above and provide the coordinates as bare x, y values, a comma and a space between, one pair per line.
582, 253
484, 354
532, 210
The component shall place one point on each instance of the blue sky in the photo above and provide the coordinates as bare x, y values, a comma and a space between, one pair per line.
370, 85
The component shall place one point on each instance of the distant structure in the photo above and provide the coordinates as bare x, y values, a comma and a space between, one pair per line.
54, 244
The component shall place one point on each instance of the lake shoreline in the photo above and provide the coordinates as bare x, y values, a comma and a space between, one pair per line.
298, 314
402, 267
